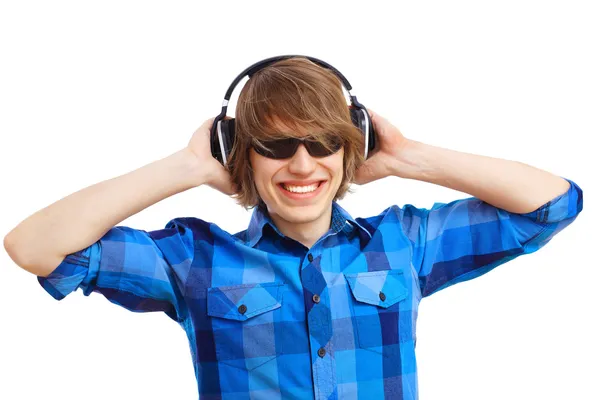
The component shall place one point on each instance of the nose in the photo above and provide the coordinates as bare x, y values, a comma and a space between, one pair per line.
302, 163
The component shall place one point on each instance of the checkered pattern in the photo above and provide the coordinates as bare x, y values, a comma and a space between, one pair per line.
267, 318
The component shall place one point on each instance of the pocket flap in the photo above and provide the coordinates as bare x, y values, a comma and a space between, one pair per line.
379, 288
241, 302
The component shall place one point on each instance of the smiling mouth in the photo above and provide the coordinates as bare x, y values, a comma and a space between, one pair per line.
302, 192
301, 189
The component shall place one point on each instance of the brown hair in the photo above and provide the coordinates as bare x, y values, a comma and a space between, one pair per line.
303, 96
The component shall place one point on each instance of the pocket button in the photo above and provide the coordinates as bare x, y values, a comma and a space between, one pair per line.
382, 296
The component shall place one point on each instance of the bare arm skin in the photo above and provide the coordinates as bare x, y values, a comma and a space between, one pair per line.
40, 242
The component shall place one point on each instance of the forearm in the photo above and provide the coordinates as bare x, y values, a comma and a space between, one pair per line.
510, 185
40, 242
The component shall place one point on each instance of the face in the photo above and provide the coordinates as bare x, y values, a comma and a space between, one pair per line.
299, 173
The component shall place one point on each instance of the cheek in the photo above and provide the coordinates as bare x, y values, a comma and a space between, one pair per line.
263, 170
256, 179
338, 164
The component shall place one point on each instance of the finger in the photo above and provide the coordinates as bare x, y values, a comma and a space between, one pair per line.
376, 119
208, 123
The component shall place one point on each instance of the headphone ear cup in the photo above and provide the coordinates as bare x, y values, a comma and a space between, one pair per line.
357, 117
372, 136
228, 131
215, 149
228, 134
363, 121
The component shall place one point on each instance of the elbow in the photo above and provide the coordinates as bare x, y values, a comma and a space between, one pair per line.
23, 258
567, 206
564, 207
9, 246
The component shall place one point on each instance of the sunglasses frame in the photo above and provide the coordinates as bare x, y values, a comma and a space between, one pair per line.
281, 149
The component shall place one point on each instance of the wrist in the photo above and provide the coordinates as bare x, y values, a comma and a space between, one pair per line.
411, 160
187, 167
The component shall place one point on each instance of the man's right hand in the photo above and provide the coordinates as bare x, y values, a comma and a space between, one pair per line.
210, 171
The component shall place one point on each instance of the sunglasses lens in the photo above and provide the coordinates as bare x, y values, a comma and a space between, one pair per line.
278, 149
286, 148
316, 149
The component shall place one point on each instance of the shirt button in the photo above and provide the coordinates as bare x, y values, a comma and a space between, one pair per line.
382, 296
321, 352
242, 309
310, 257
316, 298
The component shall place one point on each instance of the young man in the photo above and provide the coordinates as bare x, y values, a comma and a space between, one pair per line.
308, 302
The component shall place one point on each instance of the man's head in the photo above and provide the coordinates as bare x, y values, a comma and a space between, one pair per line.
293, 98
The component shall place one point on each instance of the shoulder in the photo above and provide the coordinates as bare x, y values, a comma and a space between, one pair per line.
200, 229
406, 219
394, 214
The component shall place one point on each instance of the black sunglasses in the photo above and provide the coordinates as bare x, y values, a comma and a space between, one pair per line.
286, 148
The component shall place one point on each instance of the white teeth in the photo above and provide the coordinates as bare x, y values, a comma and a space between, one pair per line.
301, 189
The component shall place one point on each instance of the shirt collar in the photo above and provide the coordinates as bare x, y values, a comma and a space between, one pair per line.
341, 220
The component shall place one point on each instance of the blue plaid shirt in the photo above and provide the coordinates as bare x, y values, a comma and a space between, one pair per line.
267, 318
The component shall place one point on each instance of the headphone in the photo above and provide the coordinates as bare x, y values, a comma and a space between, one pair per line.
222, 133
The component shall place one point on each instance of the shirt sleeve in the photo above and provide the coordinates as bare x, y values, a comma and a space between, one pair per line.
466, 238
138, 270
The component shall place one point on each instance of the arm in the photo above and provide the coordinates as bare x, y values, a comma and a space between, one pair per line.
467, 238
510, 185
41, 242
72, 243
516, 208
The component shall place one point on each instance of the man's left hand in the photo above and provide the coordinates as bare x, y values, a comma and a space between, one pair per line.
385, 161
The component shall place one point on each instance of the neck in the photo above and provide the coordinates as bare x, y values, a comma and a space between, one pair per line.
307, 232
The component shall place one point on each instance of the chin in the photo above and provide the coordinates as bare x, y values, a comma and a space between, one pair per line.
298, 213
301, 214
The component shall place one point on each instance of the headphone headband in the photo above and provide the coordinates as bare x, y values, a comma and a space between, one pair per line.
251, 70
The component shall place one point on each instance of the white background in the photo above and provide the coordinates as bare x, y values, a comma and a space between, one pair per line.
93, 90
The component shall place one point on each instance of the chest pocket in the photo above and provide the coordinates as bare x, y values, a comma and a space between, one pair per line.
243, 320
381, 314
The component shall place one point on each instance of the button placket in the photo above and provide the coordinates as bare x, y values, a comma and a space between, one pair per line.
320, 327
324, 368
